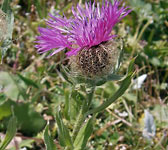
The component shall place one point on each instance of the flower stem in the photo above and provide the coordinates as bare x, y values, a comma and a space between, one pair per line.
79, 121
81, 117
90, 97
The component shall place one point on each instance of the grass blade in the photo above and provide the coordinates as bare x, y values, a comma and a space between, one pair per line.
48, 140
11, 131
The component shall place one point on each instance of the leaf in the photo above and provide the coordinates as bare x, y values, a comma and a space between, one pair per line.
6, 5
21, 144
41, 8
28, 81
3, 25
48, 140
67, 107
160, 113
11, 131
26, 143
65, 74
111, 77
75, 103
155, 61
83, 135
5, 110
28, 120
64, 137
143, 9
131, 66
67, 7
11, 87
9, 21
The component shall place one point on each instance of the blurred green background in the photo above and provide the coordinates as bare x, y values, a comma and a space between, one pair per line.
31, 84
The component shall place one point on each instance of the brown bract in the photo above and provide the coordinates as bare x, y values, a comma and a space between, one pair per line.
96, 61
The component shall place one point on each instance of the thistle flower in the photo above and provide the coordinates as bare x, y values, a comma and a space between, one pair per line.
86, 35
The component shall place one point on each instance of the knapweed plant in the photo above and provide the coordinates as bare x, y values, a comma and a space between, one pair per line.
94, 54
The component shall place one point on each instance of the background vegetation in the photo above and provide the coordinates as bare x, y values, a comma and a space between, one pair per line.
31, 86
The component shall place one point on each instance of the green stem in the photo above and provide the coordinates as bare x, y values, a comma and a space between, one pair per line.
81, 117
143, 30
79, 122
90, 97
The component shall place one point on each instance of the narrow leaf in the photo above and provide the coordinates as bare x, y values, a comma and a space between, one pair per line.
41, 8
64, 73
5, 5
48, 140
11, 131
131, 66
67, 105
28, 81
111, 77
64, 137
11, 87
8, 21
83, 135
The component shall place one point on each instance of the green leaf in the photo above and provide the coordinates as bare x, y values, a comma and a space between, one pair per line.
41, 8
131, 66
160, 113
111, 77
48, 140
67, 7
64, 137
6, 36
11, 87
143, 9
25, 143
67, 107
83, 135
65, 74
5, 5
5, 110
11, 131
28, 120
28, 81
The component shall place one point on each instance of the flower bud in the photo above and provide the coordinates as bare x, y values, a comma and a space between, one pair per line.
97, 61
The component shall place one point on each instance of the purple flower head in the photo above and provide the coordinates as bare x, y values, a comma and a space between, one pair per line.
88, 27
